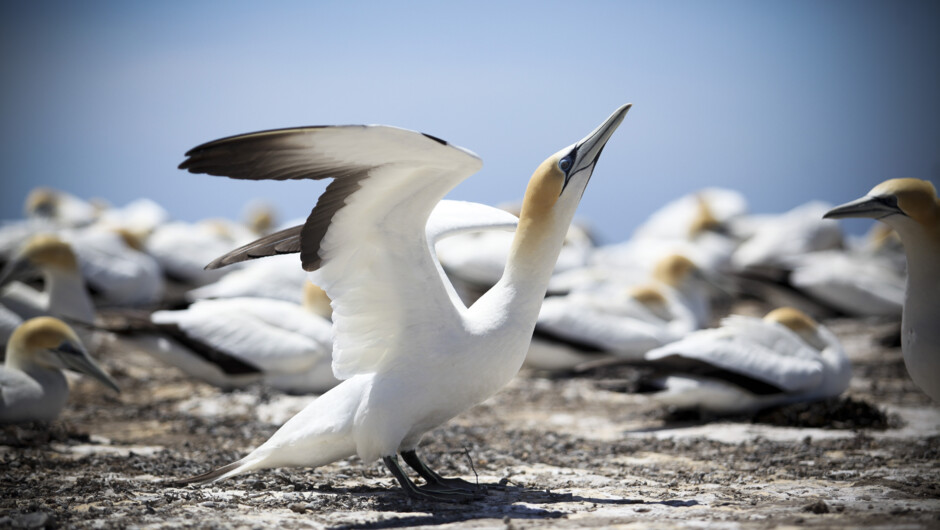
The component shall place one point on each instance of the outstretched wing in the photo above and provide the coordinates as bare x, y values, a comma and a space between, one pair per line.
365, 238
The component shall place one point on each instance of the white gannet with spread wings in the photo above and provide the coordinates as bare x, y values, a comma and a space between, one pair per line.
412, 356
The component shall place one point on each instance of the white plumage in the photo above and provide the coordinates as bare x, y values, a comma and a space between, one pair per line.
910, 206
411, 354
749, 364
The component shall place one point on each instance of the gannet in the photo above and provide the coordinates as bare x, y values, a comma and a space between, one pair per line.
621, 320
410, 354
64, 294
276, 277
234, 341
748, 364
32, 387
115, 266
59, 207
140, 217
183, 249
792, 233
910, 206
694, 225
853, 282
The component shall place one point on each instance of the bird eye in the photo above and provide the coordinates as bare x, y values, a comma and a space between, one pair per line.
565, 164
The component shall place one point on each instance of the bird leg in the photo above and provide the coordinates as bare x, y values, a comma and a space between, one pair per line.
427, 492
433, 479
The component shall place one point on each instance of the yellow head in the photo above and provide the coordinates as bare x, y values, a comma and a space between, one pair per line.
47, 250
903, 204
555, 189
48, 342
648, 295
704, 219
794, 319
674, 269
41, 202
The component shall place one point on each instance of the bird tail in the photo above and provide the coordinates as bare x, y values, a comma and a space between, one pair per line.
235, 468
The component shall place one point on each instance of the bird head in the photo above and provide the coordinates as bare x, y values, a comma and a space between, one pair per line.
41, 252
51, 343
557, 185
42, 202
799, 323
904, 204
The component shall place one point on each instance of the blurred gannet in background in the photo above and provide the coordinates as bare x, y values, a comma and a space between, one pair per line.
694, 225
116, 268
853, 282
621, 320
64, 294
276, 277
410, 353
139, 217
32, 387
763, 263
183, 249
910, 206
749, 364
47, 211
61, 208
792, 233
232, 342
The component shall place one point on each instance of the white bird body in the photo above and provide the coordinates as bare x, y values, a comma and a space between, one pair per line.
276, 277
792, 233
410, 353
911, 207
278, 338
141, 216
854, 283
678, 218
114, 265
183, 249
749, 363
621, 320
32, 385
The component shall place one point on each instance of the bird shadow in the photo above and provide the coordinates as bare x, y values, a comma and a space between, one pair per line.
507, 502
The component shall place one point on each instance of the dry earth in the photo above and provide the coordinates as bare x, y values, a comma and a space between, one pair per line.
567, 452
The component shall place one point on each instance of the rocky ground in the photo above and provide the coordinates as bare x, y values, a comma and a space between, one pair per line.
569, 452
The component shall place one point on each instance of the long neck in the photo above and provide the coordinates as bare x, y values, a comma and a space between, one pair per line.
531, 261
923, 256
68, 296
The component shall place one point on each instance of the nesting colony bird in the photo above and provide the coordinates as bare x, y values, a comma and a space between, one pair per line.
910, 206
232, 342
32, 386
411, 355
853, 282
748, 364
61, 208
64, 294
621, 320
694, 225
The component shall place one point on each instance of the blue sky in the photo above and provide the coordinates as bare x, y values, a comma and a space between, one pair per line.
784, 101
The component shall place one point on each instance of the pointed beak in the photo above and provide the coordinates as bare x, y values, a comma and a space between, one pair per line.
17, 269
589, 149
870, 207
75, 358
